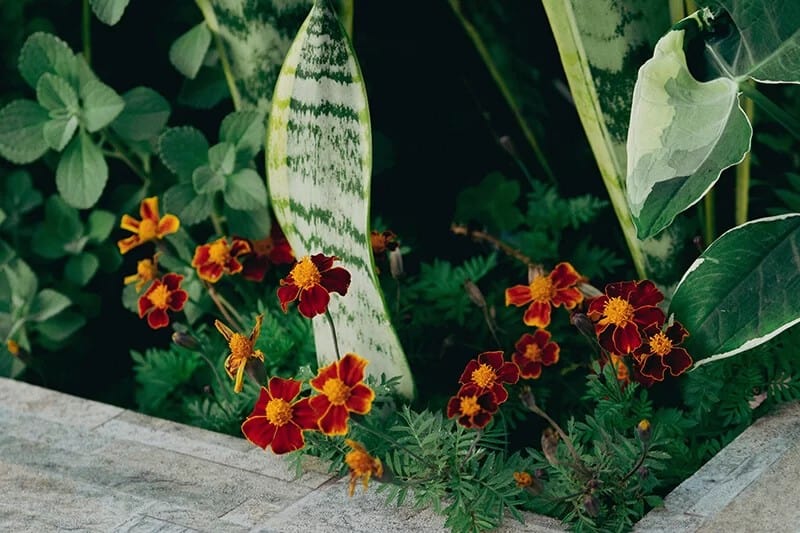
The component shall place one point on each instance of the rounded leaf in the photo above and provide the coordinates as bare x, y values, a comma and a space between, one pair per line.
145, 115
44, 52
182, 150
188, 51
82, 172
22, 131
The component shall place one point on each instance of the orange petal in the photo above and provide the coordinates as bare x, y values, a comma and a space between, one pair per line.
127, 244
223, 329
129, 223
538, 315
518, 295
334, 422
167, 225
148, 209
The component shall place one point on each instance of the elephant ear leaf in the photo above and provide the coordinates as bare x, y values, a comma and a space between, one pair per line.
319, 165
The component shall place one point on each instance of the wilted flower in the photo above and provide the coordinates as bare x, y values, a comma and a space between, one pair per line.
242, 351
362, 465
146, 271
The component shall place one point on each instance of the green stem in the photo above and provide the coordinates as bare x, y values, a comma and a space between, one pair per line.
213, 25
86, 27
743, 174
709, 222
333, 332
676, 10
792, 124
215, 221
473, 34
220, 383
120, 153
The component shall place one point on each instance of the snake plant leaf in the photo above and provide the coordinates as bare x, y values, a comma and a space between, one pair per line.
682, 135
742, 290
318, 166
759, 39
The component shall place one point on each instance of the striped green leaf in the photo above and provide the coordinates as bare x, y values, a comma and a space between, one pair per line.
318, 164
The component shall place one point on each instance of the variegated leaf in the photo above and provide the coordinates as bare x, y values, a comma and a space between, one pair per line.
318, 165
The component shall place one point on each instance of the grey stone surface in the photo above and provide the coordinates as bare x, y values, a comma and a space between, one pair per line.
751, 485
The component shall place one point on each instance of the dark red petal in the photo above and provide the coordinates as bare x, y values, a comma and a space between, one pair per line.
653, 367
524, 341
360, 400
288, 438
322, 262
676, 333
172, 281
645, 316
530, 369
454, 407
508, 373
305, 416
233, 266
351, 369
499, 392
493, 359
313, 301
564, 275
518, 295
481, 419
466, 375
286, 294
282, 252
336, 280
596, 307
537, 315
550, 353
541, 337
158, 318
569, 298
334, 421
201, 255
239, 247
678, 361
645, 293
260, 408
255, 268
259, 431
285, 389
144, 302
620, 289
626, 338
320, 405
488, 401
325, 373
177, 299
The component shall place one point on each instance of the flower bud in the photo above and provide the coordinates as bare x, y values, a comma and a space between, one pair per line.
643, 430
550, 445
396, 263
474, 293
591, 506
583, 323
185, 340
508, 145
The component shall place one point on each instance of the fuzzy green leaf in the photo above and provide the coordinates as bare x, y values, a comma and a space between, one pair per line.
188, 51
80, 268
45, 53
60, 327
183, 150
82, 172
245, 190
61, 232
19, 196
101, 105
741, 291
22, 131
222, 158
320, 193
245, 130
190, 207
55, 94
100, 225
252, 224
46, 304
145, 115
109, 11
59, 131
205, 180
206, 90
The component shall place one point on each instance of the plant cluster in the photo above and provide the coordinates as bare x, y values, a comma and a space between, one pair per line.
513, 379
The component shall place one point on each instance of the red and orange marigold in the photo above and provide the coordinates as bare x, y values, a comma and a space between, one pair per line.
162, 295
242, 351
660, 352
342, 391
312, 280
146, 271
277, 420
214, 259
533, 352
489, 372
555, 289
619, 314
272, 250
473, 406
149, 228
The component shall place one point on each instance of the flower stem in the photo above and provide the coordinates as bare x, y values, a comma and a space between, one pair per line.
86, 27
213, 25
333, 332
227, 310
743, 172
642, 457
220, 383
478, 235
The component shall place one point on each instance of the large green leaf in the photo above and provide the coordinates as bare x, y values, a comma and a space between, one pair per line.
101, 105
46, 304
45, 53
742, 290
683, 134
187, 52
319, 159
182, 150
22, 131
82, 172
145, 114
602, 44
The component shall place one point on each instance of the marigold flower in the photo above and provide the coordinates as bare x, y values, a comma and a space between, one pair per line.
534, 351
625, 307
362, 465
242, 351
163, 294
149, 228
342, 392
660, 352
214, 259
489, 371
277, 420
523, 479
146, 271
312, 279
643, 429
272, 250
473, 406
555, 289
382, 241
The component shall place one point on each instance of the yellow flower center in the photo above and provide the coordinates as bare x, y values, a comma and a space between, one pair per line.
279, 412
469, 405
618, 311
240, 346
159, 296
146, 270
542, 289
533, 352
263, 247
660, 344
484, 376
148, 229
336, 391
305, 273
219, 252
